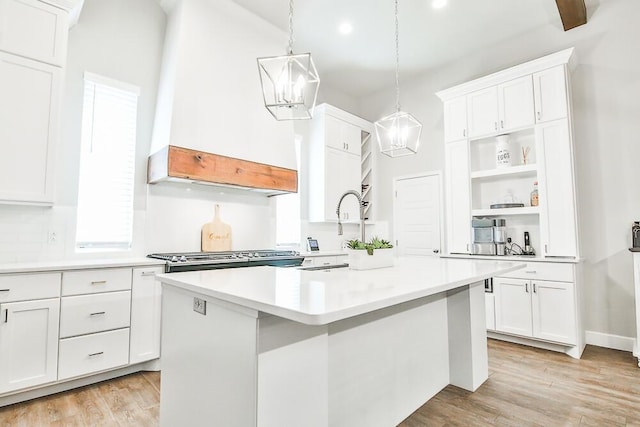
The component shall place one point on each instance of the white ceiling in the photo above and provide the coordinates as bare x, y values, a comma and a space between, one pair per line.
364, 61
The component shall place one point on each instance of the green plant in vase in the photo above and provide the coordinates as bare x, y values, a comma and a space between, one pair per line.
375, 243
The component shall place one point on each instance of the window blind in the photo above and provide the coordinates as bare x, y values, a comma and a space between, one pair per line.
107, 164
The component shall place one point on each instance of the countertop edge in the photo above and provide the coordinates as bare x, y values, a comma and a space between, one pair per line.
70, 265
330, 317
514, 258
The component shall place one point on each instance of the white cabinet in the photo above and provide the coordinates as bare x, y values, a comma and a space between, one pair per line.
34, 29
458, 196
334, 156
540, 309
29, 116
146, 303
323, 260
515, 104
482, 112
501, 108
455, 119
29, 318
550, 94
341, 135
558, 221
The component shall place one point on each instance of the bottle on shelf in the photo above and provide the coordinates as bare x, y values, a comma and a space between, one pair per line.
534, 194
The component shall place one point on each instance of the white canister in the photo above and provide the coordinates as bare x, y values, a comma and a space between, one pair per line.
503, 153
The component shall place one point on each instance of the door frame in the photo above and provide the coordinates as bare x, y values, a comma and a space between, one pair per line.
436, 173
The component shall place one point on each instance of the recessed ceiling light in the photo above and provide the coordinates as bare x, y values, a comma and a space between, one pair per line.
345, 28
438, 4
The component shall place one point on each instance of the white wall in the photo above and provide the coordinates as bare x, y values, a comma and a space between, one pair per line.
606, 104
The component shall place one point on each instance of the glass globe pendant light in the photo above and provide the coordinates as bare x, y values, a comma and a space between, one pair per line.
289, 82
398, 133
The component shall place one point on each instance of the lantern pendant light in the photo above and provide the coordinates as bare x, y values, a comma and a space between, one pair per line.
289, 82
399, 133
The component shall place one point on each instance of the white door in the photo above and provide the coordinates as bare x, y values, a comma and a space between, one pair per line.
417, 215
554, 317
482, 112
458, 196
555, 188
515, 100
146, 302
513, 306
455, 119
28, 343
550, 93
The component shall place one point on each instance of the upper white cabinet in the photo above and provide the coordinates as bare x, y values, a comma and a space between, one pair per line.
482, 116
515, 104
558, 221
335, 140
455, 119
550, 90
33, 29
29, 112
33, 46
500, 108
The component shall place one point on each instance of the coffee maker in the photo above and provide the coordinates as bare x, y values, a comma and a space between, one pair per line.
489, 236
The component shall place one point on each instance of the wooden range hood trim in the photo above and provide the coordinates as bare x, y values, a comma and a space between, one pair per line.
174, 163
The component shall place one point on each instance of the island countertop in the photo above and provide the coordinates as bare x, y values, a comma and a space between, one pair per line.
325, 296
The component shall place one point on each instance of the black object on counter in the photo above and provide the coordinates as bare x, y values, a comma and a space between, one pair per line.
635, 234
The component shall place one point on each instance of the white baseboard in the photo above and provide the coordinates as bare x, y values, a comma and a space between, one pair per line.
615, 342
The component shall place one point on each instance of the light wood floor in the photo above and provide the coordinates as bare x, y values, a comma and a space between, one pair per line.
526, 387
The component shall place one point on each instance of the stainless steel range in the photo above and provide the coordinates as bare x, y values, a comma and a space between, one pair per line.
190, 261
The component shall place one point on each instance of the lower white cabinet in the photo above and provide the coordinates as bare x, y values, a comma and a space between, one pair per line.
28, 343
93, 353
539, 309
320, 260
146, 305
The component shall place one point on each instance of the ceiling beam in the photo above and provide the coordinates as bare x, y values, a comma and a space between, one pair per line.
572, 12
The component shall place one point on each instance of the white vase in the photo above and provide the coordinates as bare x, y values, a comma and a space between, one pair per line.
359, 259
503, 151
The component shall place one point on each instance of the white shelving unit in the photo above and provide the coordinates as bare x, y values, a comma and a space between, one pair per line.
527, 210
367, 160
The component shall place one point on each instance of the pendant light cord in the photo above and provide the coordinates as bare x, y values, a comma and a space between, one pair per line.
397, 63
291, 27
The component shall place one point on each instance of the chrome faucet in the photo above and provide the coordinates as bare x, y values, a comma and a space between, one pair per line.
355, 193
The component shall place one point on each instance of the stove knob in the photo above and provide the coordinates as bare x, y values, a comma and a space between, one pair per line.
174, 259
233, 256
256, 255
183, 258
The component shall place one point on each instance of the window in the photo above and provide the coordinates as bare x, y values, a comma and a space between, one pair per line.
288, 213
107, 164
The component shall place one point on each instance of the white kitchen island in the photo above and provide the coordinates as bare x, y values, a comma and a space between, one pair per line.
285, 347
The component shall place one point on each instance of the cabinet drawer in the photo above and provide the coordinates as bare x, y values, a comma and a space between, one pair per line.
22, 287
85, 314
544, 271
95, 281
320, 260
93, 353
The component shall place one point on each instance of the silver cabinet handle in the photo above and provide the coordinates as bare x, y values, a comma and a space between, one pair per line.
6, 315
464, 133
148, 273
326, 263
534, 289
526, 287
546, 250
495, 125
99, 282
98, 313
5, 290
96, 354
538, 115
531, 272
502, 124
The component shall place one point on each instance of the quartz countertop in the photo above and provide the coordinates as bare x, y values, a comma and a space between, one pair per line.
65, 265
325, 296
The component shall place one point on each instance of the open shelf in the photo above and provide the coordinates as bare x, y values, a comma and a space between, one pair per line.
527, 210
510, 171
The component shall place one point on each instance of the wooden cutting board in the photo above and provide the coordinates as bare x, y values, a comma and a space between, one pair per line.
216, 235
